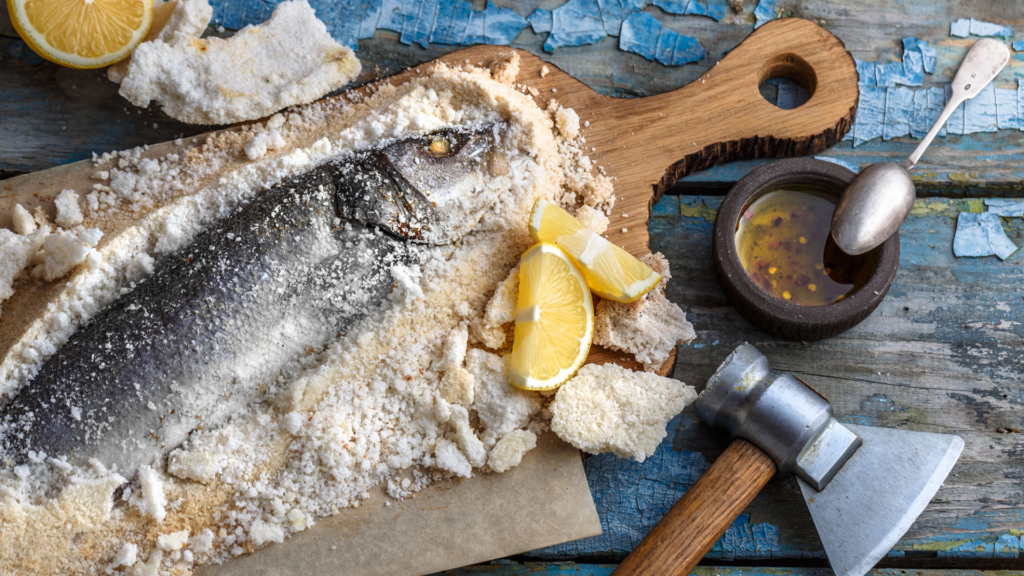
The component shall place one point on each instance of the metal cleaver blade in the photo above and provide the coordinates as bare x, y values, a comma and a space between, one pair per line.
878, 493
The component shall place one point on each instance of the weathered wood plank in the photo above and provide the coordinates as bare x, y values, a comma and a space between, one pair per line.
944, 352
51, 115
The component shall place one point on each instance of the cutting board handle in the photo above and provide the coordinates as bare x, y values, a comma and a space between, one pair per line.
722, 117
703, 514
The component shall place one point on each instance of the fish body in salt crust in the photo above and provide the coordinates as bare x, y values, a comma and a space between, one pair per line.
205, 334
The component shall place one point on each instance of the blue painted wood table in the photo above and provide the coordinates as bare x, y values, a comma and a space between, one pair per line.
944, 352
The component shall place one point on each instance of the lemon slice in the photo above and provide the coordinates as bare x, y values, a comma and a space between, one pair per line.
82, 33
611, 272
554, 320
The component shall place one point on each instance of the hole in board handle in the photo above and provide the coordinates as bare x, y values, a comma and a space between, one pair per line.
787, 81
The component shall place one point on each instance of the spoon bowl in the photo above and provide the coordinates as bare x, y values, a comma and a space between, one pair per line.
873, 207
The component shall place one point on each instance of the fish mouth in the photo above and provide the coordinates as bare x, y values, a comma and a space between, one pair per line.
427, 189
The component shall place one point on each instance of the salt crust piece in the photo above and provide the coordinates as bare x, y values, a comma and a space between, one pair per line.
64, 250
69, 214
150, 498
127, 555
151, 567
173, 21
173, 541
501, 309
501, 407
288, 60
458, 386
24, 224
593, 219
568, 123
649, 328
609, 408
16, 250
448, 457
471, 446
509, 451
454, 349
188, 21
258, 145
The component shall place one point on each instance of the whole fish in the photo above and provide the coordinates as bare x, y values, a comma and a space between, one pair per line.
209, 331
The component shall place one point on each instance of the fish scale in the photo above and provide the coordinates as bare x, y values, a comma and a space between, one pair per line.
218, 322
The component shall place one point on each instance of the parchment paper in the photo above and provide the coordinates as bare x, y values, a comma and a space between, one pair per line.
543, 501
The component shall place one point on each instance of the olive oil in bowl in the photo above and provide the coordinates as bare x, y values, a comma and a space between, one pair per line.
785, 247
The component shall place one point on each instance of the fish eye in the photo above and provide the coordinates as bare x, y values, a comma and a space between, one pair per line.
441, 145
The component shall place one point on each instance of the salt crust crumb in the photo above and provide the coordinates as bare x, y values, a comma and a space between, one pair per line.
509, 451
151, 567
289, 59
458, 386
568, 123
189, 20
17, 251
127, 555
609, 408
150, 498
258, 145
24, 224
501, 407
465, 438
448, 457
69, 214
173, 541
649, 328
501, 309
505, 70
64, 250
593, 219
262, 532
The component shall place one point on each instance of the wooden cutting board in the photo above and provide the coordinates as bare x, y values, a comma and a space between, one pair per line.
645, 144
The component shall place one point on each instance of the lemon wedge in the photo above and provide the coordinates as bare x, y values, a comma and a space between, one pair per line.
610, 271
554, 320
82, 33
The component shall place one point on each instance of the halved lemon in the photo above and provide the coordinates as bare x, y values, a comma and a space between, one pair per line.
611, 272
554, 320
82, 33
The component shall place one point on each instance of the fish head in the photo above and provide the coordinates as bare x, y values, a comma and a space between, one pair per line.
431, 189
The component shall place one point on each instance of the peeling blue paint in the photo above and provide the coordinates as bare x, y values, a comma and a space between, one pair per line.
1018, 45
851, 166
1006, 207
643, 34
765, 12
981, 234
964, 27
417, 21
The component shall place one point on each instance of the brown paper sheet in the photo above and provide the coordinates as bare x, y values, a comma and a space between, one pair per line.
543, 501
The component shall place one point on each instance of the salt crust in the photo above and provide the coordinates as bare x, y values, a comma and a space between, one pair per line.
289, 59
649, 328
509, 451
361, 414
24, 224
500, 407
608, 408
501, 309
592, 218
69, 214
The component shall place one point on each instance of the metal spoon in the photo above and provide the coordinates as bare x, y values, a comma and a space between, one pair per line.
880, 198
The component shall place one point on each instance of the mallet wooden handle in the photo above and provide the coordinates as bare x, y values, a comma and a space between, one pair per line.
702, 515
